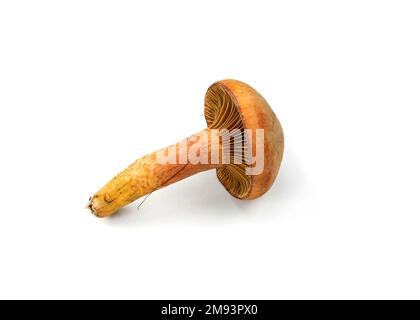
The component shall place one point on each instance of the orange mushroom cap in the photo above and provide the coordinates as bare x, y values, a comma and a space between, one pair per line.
232, 104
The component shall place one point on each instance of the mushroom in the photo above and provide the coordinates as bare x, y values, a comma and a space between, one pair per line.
229, 106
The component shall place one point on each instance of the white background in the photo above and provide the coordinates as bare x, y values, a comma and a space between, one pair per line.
86, 87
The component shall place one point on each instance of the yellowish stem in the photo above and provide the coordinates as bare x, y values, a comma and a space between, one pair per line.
148, 174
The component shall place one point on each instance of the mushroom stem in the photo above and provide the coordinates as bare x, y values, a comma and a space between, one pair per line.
150, 173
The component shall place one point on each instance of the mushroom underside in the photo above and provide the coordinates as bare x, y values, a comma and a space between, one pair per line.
222, 112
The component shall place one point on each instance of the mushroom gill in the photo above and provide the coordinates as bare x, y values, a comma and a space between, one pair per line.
221, 112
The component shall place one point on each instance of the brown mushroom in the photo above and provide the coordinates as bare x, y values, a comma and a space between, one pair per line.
230, 105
